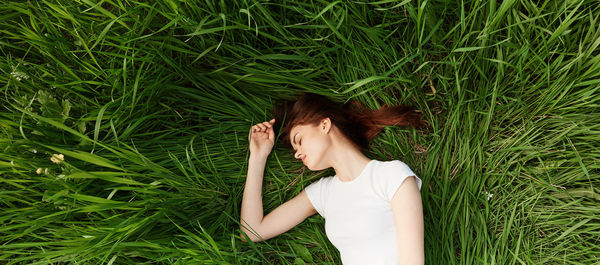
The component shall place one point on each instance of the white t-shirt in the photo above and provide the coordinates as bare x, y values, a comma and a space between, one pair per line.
359, 220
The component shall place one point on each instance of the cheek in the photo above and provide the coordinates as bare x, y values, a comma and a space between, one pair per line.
316, 148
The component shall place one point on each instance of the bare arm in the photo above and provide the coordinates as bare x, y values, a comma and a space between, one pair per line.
284, 217
408, 218
278, 221
252, 206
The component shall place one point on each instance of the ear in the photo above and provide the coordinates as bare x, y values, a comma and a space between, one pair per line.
326, 123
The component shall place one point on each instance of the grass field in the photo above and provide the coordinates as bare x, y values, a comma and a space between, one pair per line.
150, 104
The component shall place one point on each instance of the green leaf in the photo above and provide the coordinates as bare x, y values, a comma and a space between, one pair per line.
108, 176
89, 198
49, 105
85, 156
302, 251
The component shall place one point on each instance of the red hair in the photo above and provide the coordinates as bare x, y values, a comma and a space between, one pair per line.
357, 123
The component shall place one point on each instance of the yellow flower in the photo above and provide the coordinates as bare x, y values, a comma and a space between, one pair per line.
56, 158
39, 170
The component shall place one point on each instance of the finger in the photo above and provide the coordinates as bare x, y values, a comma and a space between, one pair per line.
266, 123
271, 135
262, 127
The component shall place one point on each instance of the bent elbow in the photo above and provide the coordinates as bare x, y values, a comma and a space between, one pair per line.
243, 237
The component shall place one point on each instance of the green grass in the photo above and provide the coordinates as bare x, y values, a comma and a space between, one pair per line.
151, 102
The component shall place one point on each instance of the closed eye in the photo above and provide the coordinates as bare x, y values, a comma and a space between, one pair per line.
299, 143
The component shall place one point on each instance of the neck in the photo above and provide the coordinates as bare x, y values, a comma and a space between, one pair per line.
348, 162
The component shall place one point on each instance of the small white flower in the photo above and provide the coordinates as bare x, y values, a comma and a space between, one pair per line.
46, 171
86, 236
39, 170
12, 162
489, 195
34, 151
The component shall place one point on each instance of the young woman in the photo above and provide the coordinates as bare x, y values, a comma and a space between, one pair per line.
372, 209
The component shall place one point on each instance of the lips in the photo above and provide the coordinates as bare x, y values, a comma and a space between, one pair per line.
304, 160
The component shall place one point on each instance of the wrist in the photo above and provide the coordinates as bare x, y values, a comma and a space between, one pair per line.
258, 157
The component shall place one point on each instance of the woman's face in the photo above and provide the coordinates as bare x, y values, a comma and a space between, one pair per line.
310, 143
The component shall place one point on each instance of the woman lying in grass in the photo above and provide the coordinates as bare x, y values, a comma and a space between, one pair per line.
372, 209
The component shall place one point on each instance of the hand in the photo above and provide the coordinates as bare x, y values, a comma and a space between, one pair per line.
262, 138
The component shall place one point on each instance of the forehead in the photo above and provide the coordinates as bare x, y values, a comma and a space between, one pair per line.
293, 131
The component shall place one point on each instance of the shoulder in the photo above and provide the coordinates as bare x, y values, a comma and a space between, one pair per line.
390, 176
316, 193
394, 165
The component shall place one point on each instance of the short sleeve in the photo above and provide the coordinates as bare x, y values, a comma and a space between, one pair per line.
392, 177
315, 192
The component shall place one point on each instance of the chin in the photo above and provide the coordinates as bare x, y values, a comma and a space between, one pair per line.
313, 168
